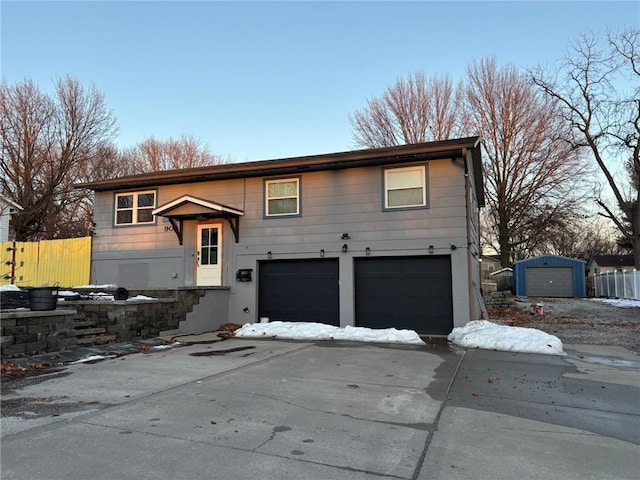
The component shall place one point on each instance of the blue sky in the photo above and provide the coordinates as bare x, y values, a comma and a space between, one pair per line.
259, 80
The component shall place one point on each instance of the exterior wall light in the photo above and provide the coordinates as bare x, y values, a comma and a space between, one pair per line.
345, 247
430, 248
367, 251
269, 254
453, 247
345, 236
322, 252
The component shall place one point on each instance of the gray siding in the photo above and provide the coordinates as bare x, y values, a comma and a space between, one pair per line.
332, 202
477, 307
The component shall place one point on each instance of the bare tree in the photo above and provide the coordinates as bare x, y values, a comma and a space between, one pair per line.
584, 237
414, 110
531, 172
107, 163
605, 117
47, 141
153, 155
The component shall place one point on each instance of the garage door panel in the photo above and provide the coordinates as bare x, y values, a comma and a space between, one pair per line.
550, 282
299, 291
405, 293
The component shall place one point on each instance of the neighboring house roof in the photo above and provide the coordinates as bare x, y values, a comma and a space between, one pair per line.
502, 271
613, 260
333, 161
548, 260
493, 258
10, 203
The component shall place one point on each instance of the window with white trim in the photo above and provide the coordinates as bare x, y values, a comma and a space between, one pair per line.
282, 197
134, 208
405, 187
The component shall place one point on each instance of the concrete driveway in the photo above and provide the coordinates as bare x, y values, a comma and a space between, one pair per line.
327, 410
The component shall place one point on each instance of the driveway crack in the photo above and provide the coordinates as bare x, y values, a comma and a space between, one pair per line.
436, 420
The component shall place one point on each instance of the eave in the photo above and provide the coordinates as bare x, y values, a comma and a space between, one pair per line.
446, 149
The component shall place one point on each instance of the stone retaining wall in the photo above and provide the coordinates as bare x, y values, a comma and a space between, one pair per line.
128, 320
28, 333
504, 299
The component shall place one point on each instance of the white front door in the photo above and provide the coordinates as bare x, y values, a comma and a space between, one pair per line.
209, 254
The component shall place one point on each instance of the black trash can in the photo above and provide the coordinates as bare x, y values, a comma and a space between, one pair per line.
43, 298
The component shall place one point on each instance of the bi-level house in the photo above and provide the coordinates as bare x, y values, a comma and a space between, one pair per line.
384, 237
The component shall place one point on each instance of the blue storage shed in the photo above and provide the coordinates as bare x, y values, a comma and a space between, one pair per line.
550, 276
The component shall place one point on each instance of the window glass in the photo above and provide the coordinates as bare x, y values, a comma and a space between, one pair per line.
405, 197
283, 189
125, 216
125, 201
283, 206
144, 215
146, 199
404, 179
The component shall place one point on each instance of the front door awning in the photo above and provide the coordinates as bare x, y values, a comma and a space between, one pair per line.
188, 207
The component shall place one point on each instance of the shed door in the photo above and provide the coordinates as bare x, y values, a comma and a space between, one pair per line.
405, 293
550, 282
299, 291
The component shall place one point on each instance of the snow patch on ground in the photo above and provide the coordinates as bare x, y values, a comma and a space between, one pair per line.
489, 336
167, 346
619, 302
320, 331
93, 358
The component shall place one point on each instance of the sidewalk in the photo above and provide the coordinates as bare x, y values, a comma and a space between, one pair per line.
327, 410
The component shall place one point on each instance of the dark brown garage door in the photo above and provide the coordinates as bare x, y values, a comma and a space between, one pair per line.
405, 293
299, 291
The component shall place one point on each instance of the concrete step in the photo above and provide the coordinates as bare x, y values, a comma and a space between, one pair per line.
90, 331
84, 324
95, 340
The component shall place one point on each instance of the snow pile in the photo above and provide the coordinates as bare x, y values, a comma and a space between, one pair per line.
9, 288
141, 297
320, 331
66, 293
100, 296
106, 286
487, 335
619, 302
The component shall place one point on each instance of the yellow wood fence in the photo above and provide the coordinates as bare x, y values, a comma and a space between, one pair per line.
65, 262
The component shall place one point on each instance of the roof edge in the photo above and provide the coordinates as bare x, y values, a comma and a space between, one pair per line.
328, 161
